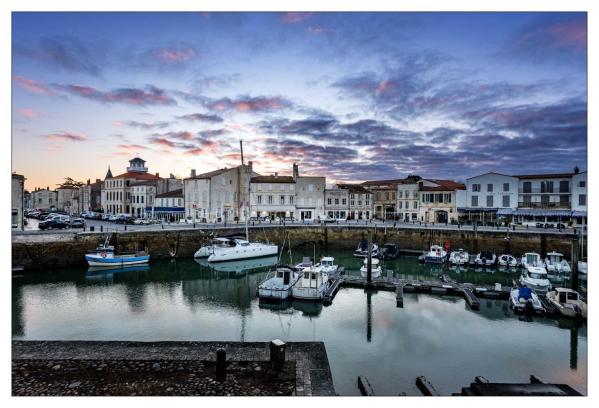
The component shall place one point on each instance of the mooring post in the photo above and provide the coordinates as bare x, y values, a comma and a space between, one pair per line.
277, 353
369, 261
101, 228
574, 258
221, 364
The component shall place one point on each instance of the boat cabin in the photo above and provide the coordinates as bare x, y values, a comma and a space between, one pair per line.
312, 278
565, 295
555, 257
536, 272
327, 262
285, 274
532, 258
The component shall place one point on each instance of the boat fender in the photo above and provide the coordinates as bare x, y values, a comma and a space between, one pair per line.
103, 254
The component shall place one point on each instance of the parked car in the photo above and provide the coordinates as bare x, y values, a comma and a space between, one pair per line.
124, 219
54, 223
77, 223
113, 217
141, 221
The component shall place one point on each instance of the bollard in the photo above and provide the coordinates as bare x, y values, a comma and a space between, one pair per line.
221, 365
162, 226
125, 226
277, 353
194, 225
101, 228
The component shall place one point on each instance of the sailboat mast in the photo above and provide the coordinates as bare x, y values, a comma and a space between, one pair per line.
247, 205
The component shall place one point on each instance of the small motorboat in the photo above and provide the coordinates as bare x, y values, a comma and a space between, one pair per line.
459, 258
567, 302
105, 257
507, 261
389, 252
555, 262
531, 259
362, 250
278, 283
312, 284
436, 254
523, 299
485, 258
376, 269
535, 277
327, 263
582, 267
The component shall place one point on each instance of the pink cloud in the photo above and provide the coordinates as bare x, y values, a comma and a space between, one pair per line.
295, 17
28, 113
570, 34
175, 55
163, 142
319, 30
250, 104
150, 95
194, 152
131, 146
66, 136
32, 86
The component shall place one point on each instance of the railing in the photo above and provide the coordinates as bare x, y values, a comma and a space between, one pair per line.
539, 190
565, 206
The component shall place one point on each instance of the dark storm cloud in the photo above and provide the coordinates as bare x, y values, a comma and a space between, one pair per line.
201, 117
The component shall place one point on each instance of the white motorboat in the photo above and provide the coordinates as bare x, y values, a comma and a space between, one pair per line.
459, 258
436, 255
531, 259
206, 250
485, 258
279, 283
312, 284
376, 269
237, 249
567, 302
535, 277
328, 265
522, 299
362, 250
555, 262
582, 267
507, 261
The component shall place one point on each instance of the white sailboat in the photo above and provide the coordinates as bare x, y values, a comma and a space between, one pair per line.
242, 248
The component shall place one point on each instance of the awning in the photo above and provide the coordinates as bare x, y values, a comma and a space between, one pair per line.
579, 213
476, 209
542, 212
505, 211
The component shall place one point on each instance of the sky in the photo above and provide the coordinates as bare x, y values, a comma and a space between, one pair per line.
349, 96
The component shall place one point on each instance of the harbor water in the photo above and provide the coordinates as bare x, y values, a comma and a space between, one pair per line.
363, 331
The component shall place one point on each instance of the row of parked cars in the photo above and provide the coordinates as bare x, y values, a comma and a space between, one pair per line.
54, 220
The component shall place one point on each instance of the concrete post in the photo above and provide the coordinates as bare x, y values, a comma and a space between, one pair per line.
574, 258
369, 262
277, 353
221, 364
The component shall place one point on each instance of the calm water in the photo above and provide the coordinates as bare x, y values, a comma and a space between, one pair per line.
364, 333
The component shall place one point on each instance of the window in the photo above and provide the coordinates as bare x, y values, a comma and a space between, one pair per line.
344, 201
415, 204
545, 199
399, 205
489, 201
269, 199
282, 200
564, 186
582, 184
352, 202
387, 196
489, 188
563, 199
400, 193
527, 187
259, 199
336, 201
582, 199
474, 201
291, 200
407, 205
476, 188
506, 186
329, 201
506, 201
15, 217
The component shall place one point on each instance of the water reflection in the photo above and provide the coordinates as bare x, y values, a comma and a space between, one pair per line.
432, 335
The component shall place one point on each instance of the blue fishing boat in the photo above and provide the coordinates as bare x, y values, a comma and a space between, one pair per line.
105, 257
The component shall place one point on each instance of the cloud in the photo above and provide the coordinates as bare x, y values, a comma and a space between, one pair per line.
216, 81
201, 117
172, 57
194, 152
294, 18
66, 53
33, 86
205, 134
150, 95
319, 30
143, 125
162, 142
132, 147
249, 104
28, 113
175, 55
65, 136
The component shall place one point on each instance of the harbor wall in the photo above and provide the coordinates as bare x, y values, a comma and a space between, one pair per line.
44, 251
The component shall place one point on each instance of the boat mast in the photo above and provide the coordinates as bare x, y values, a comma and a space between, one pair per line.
247, 205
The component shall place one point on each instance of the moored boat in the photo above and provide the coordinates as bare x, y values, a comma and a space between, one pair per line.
279, 283
485, 258
111, 260
555, 262
523, 299
312, 284
507, 261
237, 249
362, 249
531, 259
459, 257
435, 255
388, 252
206, 250
535, 277
375, 270
567, 302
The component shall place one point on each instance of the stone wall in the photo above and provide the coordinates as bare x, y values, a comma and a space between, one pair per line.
64, 250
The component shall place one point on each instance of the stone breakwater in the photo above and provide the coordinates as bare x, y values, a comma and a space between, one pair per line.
44, 251
166, 368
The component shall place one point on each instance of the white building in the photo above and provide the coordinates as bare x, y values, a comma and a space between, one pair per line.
17, 188
579, 197
309, 195
143, 194
169, 206
408, 200
439, 201
44, 198
489, 195
273, 196
336, 203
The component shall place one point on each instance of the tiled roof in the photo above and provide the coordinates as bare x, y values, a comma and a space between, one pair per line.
272, 179
137, 175
444, 185
354, 188
209, 174
383, 182
174, 193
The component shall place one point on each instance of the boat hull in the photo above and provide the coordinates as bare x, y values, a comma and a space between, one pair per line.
239, 253
116, 261
203, 252
374, 273
308, 293
434, 259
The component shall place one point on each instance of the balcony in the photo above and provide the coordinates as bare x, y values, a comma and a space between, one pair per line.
539, 190
561, 206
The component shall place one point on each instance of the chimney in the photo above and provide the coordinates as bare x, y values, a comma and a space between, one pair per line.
250, 164
98, 180
576, 170
47, 187
157, 174
295, 171
276, 175
171, 176
193, 172
88, 182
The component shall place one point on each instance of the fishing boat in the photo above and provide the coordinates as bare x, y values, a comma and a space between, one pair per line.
531, 259
567, 302
524, 298
362, 250
279, 283
485, 258
507, 261
555, 262
435, 255
312, 284
376, 269
459, 257
389, 252
535, 277
105, 257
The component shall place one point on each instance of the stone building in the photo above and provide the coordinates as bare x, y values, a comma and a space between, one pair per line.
17, 189
309, 195
44, 198
90, 196
360, 202
336, 203
408, 199
143, 195
67, 198
384, 193
273, 196
219, 195
169, 206
439, 200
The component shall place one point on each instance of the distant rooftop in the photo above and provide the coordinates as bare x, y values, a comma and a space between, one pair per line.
175, 193
272, 179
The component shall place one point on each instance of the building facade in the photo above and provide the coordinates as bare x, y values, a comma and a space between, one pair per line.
67, 198
360, 202
408, 201
143, 194
90, 196
44, 198
309, 195
384, 195
439, 201
17, 200
273, 197
169, 206
336, 203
